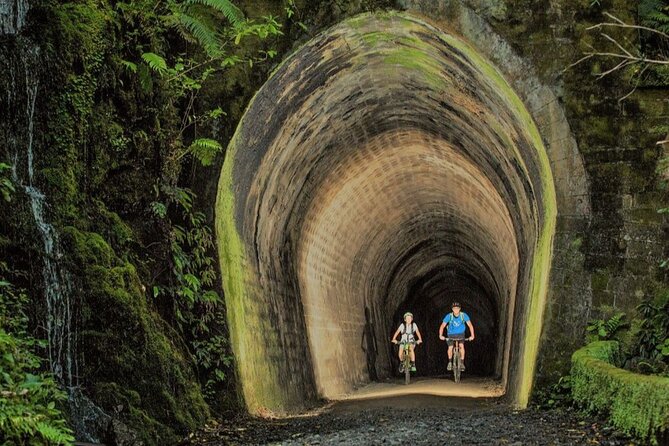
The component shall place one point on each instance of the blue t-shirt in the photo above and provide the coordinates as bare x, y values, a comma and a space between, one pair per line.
456, 324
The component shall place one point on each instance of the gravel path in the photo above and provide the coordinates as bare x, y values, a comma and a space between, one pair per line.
459, 422
423, 420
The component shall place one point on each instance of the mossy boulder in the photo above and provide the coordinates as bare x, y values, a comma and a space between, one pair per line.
636, 404
134, 365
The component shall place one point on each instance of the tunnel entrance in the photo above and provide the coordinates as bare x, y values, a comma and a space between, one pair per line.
385, 166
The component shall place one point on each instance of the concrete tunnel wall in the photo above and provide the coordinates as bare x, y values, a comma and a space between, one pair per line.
385, 165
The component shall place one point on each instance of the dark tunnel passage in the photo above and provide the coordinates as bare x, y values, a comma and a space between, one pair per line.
385, 166
429, 300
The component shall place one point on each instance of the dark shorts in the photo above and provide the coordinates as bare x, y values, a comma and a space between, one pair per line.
455, 336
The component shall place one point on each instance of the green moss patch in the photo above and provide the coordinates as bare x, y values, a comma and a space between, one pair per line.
636, 404
133, 358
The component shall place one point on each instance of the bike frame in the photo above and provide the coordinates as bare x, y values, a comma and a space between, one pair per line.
407, 360
457, 361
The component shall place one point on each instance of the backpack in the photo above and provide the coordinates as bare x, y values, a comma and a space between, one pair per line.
406, 331
462, 318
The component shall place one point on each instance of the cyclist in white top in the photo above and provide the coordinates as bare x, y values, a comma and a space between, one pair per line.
408, 328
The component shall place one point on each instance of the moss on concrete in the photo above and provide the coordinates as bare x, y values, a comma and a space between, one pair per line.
636, 404
260, 385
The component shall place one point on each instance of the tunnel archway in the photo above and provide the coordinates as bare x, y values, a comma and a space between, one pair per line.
385, 165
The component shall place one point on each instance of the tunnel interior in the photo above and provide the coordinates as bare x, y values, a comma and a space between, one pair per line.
429, 298
385, 166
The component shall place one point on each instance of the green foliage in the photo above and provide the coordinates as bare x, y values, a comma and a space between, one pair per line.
557, 395
190, 283
654, 14
213, 26
148, 375
29, 399
6, 184
155, 62
651, 354
205, 150
600, 329
226, 7
636, 404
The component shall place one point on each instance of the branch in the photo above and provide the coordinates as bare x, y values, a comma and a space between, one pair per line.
615, 42
622, 64
635, 59
636, 85
620, 24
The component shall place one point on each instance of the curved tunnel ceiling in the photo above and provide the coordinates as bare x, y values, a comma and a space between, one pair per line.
380, 154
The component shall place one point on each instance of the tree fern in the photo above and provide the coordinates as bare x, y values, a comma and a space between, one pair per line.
660, 21
203, 33
205, 150
654, 14
155, 62
226, 7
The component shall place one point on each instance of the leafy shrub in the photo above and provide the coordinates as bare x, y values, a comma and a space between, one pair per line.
558, 394
29, 399
190, 283
651, 352
601, 330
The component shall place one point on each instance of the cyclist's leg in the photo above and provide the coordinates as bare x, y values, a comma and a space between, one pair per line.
450, 356
412, 355
401, 352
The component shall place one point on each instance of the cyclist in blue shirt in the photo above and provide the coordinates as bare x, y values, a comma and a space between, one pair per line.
456, 321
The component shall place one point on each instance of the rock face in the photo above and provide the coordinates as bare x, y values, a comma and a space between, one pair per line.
387, 166
13, 15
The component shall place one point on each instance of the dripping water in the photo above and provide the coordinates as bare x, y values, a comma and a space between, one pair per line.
20, 69
57, 281
12, 15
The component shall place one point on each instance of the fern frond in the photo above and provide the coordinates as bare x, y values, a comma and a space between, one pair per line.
155, 62
203, 34
130, 66
205, 150
226, 7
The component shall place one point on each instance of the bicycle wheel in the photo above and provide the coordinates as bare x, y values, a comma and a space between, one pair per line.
456, 365
407, 366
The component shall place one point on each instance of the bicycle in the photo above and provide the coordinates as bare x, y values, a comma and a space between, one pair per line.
457, 361
407, 360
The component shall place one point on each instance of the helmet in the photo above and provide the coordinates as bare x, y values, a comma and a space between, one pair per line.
456, 304
407, 314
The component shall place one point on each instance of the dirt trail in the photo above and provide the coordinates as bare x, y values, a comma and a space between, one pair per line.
427, 412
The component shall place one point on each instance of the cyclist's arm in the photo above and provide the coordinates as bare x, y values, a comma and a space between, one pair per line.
471, 330
420, 338
441, 330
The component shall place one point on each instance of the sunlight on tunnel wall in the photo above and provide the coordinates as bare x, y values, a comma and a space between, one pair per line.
380, 146
393, 181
